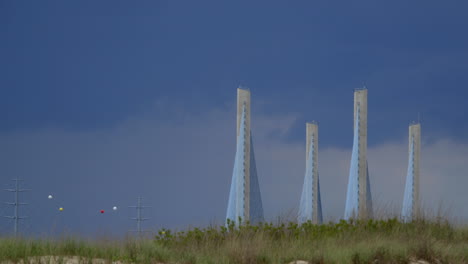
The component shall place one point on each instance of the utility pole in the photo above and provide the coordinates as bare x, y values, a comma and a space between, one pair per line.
16, 205
139, 218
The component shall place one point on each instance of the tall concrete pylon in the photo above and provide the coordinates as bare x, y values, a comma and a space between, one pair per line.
410, 209
245, 200
359, 197
310, 208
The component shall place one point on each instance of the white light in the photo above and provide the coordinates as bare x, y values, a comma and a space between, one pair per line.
114, 208
50, 196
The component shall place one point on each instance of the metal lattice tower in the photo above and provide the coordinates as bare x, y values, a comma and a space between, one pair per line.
139, 218
16, 204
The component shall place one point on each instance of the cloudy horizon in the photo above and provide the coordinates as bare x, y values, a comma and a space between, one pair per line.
182, 167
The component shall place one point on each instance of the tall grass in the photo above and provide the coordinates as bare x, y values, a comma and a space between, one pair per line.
372, 241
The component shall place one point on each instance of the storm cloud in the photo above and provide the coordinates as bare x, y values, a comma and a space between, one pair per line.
181, 164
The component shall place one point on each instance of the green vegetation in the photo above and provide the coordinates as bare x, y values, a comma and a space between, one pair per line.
372, 241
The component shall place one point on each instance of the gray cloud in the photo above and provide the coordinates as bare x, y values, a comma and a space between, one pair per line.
182, 166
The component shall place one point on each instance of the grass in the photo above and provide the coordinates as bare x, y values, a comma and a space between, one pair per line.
372, 241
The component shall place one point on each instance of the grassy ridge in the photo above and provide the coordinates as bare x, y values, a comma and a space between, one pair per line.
387, 241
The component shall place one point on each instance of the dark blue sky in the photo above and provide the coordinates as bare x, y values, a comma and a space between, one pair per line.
87, 64
90, 66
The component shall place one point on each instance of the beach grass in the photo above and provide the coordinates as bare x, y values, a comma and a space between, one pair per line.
369, 241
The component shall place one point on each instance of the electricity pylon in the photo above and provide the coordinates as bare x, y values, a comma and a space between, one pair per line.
139, 218
16, 204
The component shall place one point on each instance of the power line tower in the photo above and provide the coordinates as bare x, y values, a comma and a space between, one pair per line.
16, 204
139, 218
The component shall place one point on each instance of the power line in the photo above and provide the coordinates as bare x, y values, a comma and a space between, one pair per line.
16, 204
139, 218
